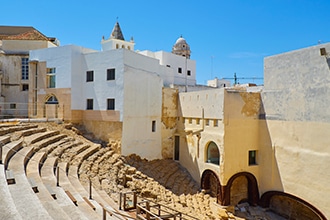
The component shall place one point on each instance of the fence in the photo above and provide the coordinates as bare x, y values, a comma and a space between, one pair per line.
30, 110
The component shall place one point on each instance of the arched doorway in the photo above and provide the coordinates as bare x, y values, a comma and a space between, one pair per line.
212, 153
51, 107
211, 184
242, 187
290, 206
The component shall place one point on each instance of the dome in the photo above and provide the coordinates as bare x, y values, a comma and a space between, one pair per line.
181, 47
181, 40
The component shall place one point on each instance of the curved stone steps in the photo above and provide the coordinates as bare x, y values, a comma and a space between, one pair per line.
47, 171
39, 136
96, 199
12, 129
48, 177
47, 141
79, 158
71, 152
60, 150
26, 201
23, 133
9, 149
67, 186
51, 147
33, 171
7, 206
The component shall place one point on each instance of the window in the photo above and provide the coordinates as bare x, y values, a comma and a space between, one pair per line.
188, 72
25, 87
213, 154
215, 123
179, 70
111, 74
89, 104
207, 122
12, 106
51, 77
252, 157
89, 76
197, 121
111, 104
190, 120
25, 68
168, 65
153, 126
52, 100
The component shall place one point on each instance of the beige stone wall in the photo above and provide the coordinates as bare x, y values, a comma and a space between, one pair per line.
23, 45
107, 131
169, 121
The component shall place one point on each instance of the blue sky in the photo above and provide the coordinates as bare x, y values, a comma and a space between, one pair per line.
225, 36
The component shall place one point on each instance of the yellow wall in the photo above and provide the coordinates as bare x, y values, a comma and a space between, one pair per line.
301, 161
241, 111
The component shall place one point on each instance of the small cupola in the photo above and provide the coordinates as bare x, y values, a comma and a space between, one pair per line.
181, 48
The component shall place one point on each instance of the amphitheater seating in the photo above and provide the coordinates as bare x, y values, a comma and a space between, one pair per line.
30, 156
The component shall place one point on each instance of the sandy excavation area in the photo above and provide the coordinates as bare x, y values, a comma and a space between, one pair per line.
163, 181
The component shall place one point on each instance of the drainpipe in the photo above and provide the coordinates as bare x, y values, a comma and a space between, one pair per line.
35, 105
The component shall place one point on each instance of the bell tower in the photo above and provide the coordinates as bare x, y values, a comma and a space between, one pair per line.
181, 48
117, 40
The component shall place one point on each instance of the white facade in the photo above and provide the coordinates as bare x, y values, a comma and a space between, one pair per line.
179, 70
218, 83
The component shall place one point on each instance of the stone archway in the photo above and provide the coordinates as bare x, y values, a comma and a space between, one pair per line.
212, 153
211, 184
51, 107
241, 187
290, 206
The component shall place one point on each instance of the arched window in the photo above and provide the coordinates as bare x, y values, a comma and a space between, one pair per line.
129, 47
213, 155
117, 46
52, 100
123, 46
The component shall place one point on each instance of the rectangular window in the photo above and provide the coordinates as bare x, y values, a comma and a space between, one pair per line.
197, 121
110, 104
89, 104
51, 78
207, 122
89, 76
111, 74
12, 106
190, 120
153, 126
215, 123
188, 72
25, 68
252, 157
25, 87
179, 70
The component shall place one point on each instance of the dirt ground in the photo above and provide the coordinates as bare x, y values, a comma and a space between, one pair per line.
163, 181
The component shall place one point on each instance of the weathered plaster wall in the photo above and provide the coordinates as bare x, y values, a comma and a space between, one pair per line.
241, 112
142, 106
296, 101
11, 66
202, 122
169, 121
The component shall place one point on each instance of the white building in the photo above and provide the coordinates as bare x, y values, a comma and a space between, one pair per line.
115, 91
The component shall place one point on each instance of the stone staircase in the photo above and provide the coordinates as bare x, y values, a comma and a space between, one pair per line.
31, 158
